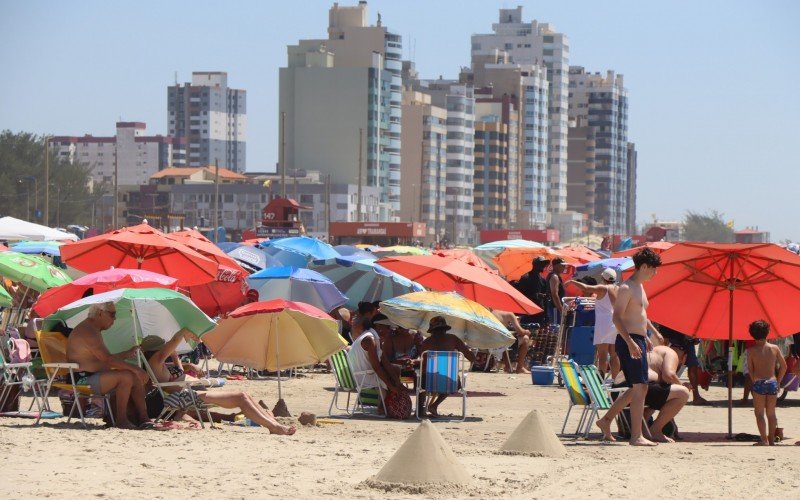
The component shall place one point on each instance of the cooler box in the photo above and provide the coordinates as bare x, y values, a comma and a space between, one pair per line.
581, 345
542, 375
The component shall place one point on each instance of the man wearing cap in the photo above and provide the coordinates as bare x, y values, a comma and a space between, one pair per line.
533, 286
556, 289
605, 334
440, 340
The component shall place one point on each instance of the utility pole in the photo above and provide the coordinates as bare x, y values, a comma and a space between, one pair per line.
46, 219
438, 187
283, 154
360, 172
116, 186
215, 216
328, 207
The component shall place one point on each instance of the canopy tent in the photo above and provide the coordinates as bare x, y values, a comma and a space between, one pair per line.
12, 229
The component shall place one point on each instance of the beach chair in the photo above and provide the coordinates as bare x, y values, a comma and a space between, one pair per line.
61, 375
443, 372
346, 383
599, 394
577, 395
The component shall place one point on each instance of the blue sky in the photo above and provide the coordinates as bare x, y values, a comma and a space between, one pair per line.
713, 85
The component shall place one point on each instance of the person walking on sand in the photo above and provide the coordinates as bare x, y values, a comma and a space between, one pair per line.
762, 361
632, 345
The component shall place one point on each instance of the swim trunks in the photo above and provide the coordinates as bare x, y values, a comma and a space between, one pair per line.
657, 395
90, 379
635, 370
766, 387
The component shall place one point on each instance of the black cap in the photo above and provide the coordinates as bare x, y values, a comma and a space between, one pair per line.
557, 261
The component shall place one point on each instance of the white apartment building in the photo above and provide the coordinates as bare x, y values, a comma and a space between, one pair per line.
534, 43
134, 155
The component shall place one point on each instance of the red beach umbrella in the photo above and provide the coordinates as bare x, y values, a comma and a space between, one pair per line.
715, 290
141, 247
446, 274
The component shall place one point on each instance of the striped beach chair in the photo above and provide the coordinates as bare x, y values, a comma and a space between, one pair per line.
442, 372
599, 394
577, 395
345, 382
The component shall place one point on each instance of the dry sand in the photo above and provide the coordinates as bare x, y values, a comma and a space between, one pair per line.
63, 461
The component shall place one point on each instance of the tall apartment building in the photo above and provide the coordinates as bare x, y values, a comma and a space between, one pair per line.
581, 170
601, 103
534, 43
496, 162
632, 165
423, 159
525, 84
213, 119
137, 156
332, 88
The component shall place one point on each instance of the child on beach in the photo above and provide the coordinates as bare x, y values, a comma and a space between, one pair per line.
762, 360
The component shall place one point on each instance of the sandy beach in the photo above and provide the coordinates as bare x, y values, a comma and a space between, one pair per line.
60, 460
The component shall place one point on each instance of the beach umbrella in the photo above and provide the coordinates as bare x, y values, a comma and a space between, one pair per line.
141, 247
363, 280
311, 248
656, 246
253, 259
140, 312
516, 261
50, 248
196, 241
227, 246
12, 229
366, 246
224, 294
31, 271
446, 274
488, 251
275, 335
297, 284
99, 282
465, 255
3, 248
715, 290
357, 253
401, 250
579, 254
470, 321
5, 298
595, 268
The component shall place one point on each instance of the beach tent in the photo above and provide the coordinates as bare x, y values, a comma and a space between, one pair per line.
12, 229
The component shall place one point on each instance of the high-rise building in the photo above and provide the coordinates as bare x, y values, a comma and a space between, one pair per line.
213, 119
631, 215
534, 43
137, 156
424, 158
601, 103
581, 169
332, 88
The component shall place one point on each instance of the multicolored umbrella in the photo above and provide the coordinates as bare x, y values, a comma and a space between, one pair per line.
31, 271
488, 251
363, 280
275, 335
470, 321
446, 274
141, 247
298, 285
99, 282
401, 250
140, 312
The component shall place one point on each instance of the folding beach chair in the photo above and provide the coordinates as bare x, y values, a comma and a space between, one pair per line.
61, 374
577, 395
599, 394
443, 372
368, 394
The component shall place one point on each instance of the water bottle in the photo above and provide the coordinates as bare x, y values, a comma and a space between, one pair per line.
27, 382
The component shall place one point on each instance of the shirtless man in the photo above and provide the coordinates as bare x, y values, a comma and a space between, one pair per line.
104, 372
632, 344
666, 392
440, 340
224, 398
605, 334
767, 368
510, 320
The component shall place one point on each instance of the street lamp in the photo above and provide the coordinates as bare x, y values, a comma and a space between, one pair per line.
28, 179
46, 219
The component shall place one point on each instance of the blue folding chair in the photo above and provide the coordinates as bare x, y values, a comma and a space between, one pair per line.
443, 372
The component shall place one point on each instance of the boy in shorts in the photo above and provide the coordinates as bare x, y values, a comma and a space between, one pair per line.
762, 360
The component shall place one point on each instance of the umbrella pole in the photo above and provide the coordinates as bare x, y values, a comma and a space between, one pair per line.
731, 288
277, 356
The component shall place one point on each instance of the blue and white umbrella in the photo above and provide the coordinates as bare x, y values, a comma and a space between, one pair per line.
298, 285
298, 251
594, 269
50, 248
351, 251
254, 259
363, 280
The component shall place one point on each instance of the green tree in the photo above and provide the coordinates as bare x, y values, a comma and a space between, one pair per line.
707, 227
22, 182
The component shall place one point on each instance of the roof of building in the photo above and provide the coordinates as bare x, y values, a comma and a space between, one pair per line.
224, 173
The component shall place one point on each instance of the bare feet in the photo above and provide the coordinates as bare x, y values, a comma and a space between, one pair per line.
125, 425
283, 430
761, 443
661, 438
432, 411
605, 426
642, 441
699, 401
521, 368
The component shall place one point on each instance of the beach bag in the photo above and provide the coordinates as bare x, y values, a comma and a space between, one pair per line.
398, 405
11, 401
19, 351
154, 402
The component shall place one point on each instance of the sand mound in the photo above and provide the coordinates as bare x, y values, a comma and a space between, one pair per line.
534, 437
424, 458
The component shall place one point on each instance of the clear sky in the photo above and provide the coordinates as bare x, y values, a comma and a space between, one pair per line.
713, 84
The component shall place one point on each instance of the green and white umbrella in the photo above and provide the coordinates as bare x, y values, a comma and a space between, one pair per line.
140, 312
5, 298
31, 271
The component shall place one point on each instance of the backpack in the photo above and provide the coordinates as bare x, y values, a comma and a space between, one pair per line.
19, 351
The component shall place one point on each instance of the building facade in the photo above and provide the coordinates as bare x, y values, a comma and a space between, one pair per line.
341, 101
132, 154
601, 102
212, 117
631, 207
538, 44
